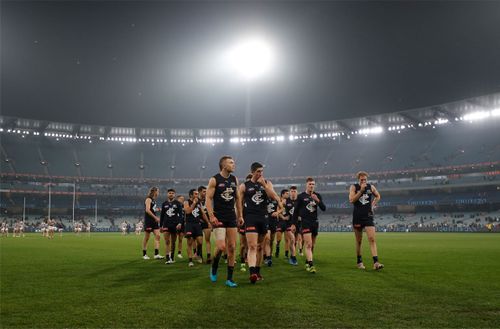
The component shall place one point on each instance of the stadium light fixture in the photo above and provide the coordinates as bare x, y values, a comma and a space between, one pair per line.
495, 112
369, 131
251, 58
474, 116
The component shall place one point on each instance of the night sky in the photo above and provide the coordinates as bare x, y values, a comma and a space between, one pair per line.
151, 64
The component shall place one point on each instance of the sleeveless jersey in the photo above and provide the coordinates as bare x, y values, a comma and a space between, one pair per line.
152, 208
224, 197
255, 199
363, 207
195, 216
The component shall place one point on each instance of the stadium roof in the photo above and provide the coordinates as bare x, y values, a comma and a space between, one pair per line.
151, 63
465, 110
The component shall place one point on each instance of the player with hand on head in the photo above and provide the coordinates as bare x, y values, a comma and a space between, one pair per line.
364, 197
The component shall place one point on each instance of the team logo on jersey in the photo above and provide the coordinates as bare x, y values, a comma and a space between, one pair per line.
364, 199
270, 207
292, 210
311, 206
170, 212
227, 194
257, 198
196, 212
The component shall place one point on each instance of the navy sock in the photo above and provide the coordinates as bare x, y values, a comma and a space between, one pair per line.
359, 259
230, 270
156, 252
375, 259
215, 264
144, 252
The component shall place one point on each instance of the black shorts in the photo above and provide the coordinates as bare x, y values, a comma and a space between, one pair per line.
204, 225
182, 229
298, 227
282, 226
256, 224
360, 223
150, 225
310, 227
241, 230
193, 230
273, 224
169, 227
226, 223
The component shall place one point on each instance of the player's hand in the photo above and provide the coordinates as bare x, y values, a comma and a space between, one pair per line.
374, 206
214, 220
195, 200
178, 227
363, 187
315, 197
261, 180
241, 221
275, 214
293, 228
157, 219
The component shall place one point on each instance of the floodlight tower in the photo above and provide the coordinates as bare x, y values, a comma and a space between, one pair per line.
251, 59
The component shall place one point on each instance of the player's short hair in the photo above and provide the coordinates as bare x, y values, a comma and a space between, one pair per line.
283, 191
255, 166
152, 191
221, 161
191, 192
171, 190
249, 177
309, 179
293, 187
201, 188
361, 173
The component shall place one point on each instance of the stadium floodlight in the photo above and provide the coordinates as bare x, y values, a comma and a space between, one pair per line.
234, 140
476, 116
251, 58
369, 131
495, 112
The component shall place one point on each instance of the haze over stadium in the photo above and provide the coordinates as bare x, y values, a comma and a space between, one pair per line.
102, 101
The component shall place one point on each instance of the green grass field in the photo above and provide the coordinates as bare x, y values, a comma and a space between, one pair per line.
430, 280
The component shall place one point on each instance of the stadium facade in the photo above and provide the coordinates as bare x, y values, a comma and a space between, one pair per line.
438, 159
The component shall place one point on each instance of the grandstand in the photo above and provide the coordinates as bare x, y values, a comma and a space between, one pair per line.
438, 162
